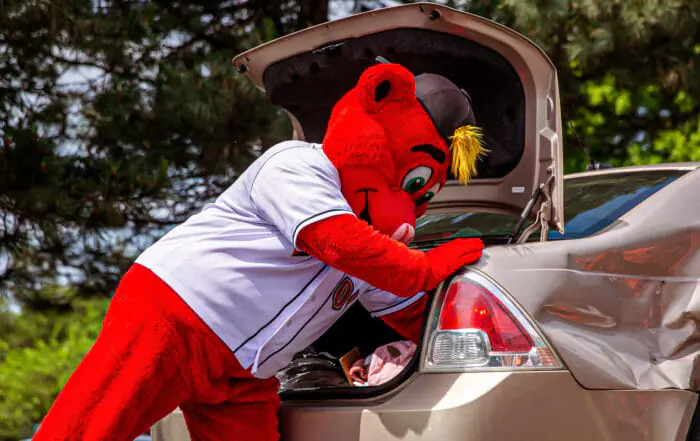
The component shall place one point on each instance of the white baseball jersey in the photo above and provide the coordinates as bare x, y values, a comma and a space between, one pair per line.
235, 262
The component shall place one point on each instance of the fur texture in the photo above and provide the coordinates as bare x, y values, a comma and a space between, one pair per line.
379, 137
391, 160
409, 321
376, 127
152, 355
352, 246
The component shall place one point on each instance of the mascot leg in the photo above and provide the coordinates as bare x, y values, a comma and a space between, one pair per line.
250, 413
153, 355
131, 377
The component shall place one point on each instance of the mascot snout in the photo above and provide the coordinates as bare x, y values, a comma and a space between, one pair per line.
399, 221
389, 210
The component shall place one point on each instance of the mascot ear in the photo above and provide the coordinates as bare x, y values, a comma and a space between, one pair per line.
385, 83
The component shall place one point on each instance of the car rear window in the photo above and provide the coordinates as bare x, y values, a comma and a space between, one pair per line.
591, 203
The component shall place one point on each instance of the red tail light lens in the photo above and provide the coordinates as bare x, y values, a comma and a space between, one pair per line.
471, 306
478, 325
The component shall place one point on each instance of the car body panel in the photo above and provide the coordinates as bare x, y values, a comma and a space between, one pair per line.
620, 307
486, 406
542, 154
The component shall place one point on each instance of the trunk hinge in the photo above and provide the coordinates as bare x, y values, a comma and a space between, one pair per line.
543, 214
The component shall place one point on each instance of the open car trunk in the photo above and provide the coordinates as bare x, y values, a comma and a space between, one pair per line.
514, 91
317, 373
512, 83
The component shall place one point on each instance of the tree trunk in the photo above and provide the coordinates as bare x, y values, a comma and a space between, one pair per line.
312, 12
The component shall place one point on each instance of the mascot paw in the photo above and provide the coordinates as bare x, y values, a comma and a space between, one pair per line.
451, 256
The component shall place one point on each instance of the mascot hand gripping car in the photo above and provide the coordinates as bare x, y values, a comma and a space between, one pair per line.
209, 313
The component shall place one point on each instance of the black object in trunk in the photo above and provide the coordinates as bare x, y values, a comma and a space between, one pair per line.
311, 370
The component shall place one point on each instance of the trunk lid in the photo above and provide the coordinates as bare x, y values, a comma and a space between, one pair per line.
513, 86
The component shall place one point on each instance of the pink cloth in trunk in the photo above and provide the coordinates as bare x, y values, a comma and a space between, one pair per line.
384, 364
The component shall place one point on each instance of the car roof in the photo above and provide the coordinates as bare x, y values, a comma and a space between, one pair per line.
679, 166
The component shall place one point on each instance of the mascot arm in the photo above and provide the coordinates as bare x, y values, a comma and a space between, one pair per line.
297, 191
355, 248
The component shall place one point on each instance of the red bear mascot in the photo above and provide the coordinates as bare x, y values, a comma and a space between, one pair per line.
209, 313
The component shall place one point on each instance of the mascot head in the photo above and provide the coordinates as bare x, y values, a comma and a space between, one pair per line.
393, 138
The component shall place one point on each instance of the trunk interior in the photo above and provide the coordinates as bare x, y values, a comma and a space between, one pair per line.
317, 373
321, 376
308, 85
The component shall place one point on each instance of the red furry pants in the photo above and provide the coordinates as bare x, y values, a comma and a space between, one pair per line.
153, 355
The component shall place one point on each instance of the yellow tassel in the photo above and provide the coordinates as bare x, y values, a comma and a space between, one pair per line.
466, 150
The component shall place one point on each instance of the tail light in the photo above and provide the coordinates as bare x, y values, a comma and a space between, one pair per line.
477, 325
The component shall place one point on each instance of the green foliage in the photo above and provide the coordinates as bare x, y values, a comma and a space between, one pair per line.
38, 352
118, 119
629, 73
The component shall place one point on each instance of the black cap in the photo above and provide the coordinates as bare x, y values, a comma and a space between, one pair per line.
448, 106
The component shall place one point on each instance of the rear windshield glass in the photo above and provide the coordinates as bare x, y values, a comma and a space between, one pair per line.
591, 203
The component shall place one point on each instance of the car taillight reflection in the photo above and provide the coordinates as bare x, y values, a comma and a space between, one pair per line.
479, 326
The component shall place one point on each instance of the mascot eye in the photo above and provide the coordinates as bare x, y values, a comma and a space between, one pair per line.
416, 179
428, 195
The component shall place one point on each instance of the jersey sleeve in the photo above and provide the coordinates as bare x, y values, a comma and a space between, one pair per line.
295, 188
379, 303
